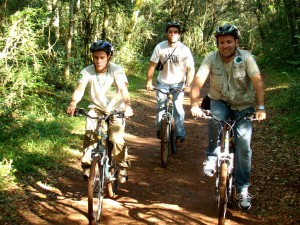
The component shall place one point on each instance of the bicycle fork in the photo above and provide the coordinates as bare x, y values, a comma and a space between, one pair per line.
225, 156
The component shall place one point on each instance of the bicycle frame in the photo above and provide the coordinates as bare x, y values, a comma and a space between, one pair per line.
101, 149
226, 155
103, 168
168, 136
225, 164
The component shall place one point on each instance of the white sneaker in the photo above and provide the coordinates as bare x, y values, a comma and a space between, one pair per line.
244, 200
209, 167
122, 176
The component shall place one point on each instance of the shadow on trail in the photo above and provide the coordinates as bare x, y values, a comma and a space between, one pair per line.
178, 194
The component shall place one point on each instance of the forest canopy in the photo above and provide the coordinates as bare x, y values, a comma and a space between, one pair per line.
44, 44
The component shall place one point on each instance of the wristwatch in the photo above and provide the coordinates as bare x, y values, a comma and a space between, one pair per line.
188, 85
261, 107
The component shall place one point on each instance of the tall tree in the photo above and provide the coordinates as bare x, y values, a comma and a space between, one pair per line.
73, 9
53, 21
291, 15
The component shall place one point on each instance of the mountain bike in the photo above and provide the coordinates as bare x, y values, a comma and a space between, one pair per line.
104, 169
224, 187
167, 128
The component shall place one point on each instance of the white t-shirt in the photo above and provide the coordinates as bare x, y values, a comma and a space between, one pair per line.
175, 69
103, 87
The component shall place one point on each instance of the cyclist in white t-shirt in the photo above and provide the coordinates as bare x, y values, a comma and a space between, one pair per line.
107, 84
178, 72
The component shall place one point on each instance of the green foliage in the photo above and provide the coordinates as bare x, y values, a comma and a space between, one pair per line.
21, 60
34, 147
283, 100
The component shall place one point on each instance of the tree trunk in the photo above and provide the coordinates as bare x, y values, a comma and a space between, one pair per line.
88, 29
53, 21
290, 12
105, 22
69, 40
3, 7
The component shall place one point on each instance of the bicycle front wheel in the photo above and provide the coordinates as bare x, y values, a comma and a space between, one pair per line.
222, 203
165, 142
95, 191
173, 138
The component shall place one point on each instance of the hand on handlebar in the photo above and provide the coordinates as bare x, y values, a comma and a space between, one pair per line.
197, 112
260, 115
71, 109
149, 86
128, 112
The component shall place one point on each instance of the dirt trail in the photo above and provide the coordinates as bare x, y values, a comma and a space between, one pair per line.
178, 194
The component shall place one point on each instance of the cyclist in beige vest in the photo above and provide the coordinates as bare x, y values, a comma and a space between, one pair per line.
236, 88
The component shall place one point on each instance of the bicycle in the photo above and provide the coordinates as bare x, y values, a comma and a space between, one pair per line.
225, 191
104, 169
167, 128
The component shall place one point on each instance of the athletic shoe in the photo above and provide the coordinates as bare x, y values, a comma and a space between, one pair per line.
209, 167
86, 173
244, 200
180, 138
122, 176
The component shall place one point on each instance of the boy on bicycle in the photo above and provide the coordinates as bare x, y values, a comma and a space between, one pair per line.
108, 91
235, 86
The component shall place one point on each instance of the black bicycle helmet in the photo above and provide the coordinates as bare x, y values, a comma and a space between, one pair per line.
102, 46
173, 24
227, 29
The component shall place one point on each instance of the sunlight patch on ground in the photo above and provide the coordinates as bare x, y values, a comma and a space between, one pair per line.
277, 87
157, 213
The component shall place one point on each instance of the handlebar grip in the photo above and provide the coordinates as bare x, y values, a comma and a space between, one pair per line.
79, 111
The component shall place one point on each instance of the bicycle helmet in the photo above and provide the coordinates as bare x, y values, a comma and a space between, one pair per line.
102, 46
227, 29
173, 24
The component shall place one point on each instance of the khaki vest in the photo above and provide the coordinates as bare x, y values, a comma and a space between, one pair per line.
237, 89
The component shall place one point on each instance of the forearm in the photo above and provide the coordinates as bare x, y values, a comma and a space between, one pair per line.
150, 75
195, 91
125, 96
190, 75
259, 89
150, 72
77, 96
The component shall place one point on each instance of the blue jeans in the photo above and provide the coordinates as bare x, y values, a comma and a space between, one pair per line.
178, 111
242, 136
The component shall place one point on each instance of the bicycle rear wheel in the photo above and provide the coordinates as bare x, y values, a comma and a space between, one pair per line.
112, 185
165, 142
222, 203
95, 191
173, 138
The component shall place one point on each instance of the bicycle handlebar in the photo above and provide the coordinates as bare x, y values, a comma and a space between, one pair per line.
81, 111
247, 116
171, 91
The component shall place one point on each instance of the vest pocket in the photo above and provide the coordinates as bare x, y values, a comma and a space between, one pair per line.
239, 78
217, 78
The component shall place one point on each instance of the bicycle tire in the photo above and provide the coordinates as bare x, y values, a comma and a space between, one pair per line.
173, 138
95, 191
222, 204
165, 142
231, 197
112, 186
